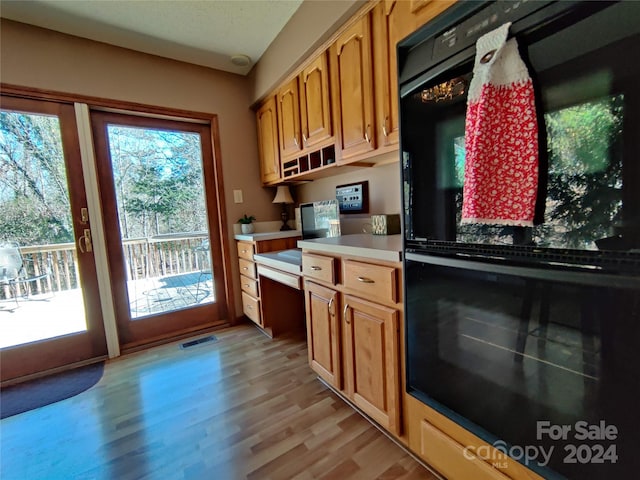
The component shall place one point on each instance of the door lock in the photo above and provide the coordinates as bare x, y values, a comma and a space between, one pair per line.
84, 242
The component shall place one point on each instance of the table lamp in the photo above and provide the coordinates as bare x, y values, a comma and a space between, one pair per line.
283, 196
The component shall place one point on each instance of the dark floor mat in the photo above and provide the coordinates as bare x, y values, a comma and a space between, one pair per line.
50, 389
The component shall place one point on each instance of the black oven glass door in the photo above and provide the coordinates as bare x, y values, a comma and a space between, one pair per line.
503, 350
586, 79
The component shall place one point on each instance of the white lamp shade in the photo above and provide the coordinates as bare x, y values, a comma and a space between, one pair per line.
283, 195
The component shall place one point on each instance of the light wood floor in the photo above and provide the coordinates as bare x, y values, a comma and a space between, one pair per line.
244, 407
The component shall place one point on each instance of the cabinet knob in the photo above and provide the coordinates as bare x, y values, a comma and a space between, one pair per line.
315, 267
366, 280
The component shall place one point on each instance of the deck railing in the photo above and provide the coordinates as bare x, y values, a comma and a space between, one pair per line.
144, 257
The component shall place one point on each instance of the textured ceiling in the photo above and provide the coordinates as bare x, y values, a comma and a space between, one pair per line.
203, 32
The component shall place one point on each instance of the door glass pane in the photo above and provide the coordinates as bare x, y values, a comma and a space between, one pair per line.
40, 288
163, 218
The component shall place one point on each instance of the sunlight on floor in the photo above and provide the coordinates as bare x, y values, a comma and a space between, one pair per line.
62, 313
40, 317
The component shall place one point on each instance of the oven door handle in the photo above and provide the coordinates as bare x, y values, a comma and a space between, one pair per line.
587, 277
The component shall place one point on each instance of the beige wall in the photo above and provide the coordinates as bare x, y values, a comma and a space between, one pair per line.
40, 58
384, 192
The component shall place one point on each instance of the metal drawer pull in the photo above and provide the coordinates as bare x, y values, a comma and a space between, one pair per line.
315, 267
250, 307
366, 280
246, 285
245, 268
344, 313
329, 307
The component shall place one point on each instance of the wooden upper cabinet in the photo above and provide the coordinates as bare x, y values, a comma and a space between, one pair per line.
390, 26
352, 74
315, 104
423, 11
289, 120
268, 141
393, 21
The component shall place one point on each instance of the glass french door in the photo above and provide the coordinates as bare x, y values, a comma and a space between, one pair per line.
50, 312
158, 191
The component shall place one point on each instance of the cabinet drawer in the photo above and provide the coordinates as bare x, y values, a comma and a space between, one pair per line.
247, 268
246, 250
451, 459
251, 307
319, 267
249, 285
375, 282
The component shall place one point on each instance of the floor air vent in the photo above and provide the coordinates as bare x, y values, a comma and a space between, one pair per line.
199, 341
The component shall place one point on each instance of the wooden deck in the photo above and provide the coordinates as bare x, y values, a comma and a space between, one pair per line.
51, 315
245, 407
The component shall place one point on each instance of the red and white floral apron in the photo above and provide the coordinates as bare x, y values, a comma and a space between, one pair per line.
501, 136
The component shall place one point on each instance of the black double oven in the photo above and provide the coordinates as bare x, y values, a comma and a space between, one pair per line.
530, 336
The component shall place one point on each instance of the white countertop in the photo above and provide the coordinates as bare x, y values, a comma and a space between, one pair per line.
256, 237
377, 247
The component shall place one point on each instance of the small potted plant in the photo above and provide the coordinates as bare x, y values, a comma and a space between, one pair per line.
245, 223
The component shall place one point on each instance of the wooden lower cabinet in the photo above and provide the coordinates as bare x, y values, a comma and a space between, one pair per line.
372, 360
252, 305
455, 452
355, 344
324, 332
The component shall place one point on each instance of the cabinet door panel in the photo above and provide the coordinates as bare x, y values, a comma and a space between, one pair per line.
354, 77
315, 108
323, 332
268, 142
289, 119
372, 362
392, 25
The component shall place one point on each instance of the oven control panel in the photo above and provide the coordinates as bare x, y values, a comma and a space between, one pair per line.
467, 32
